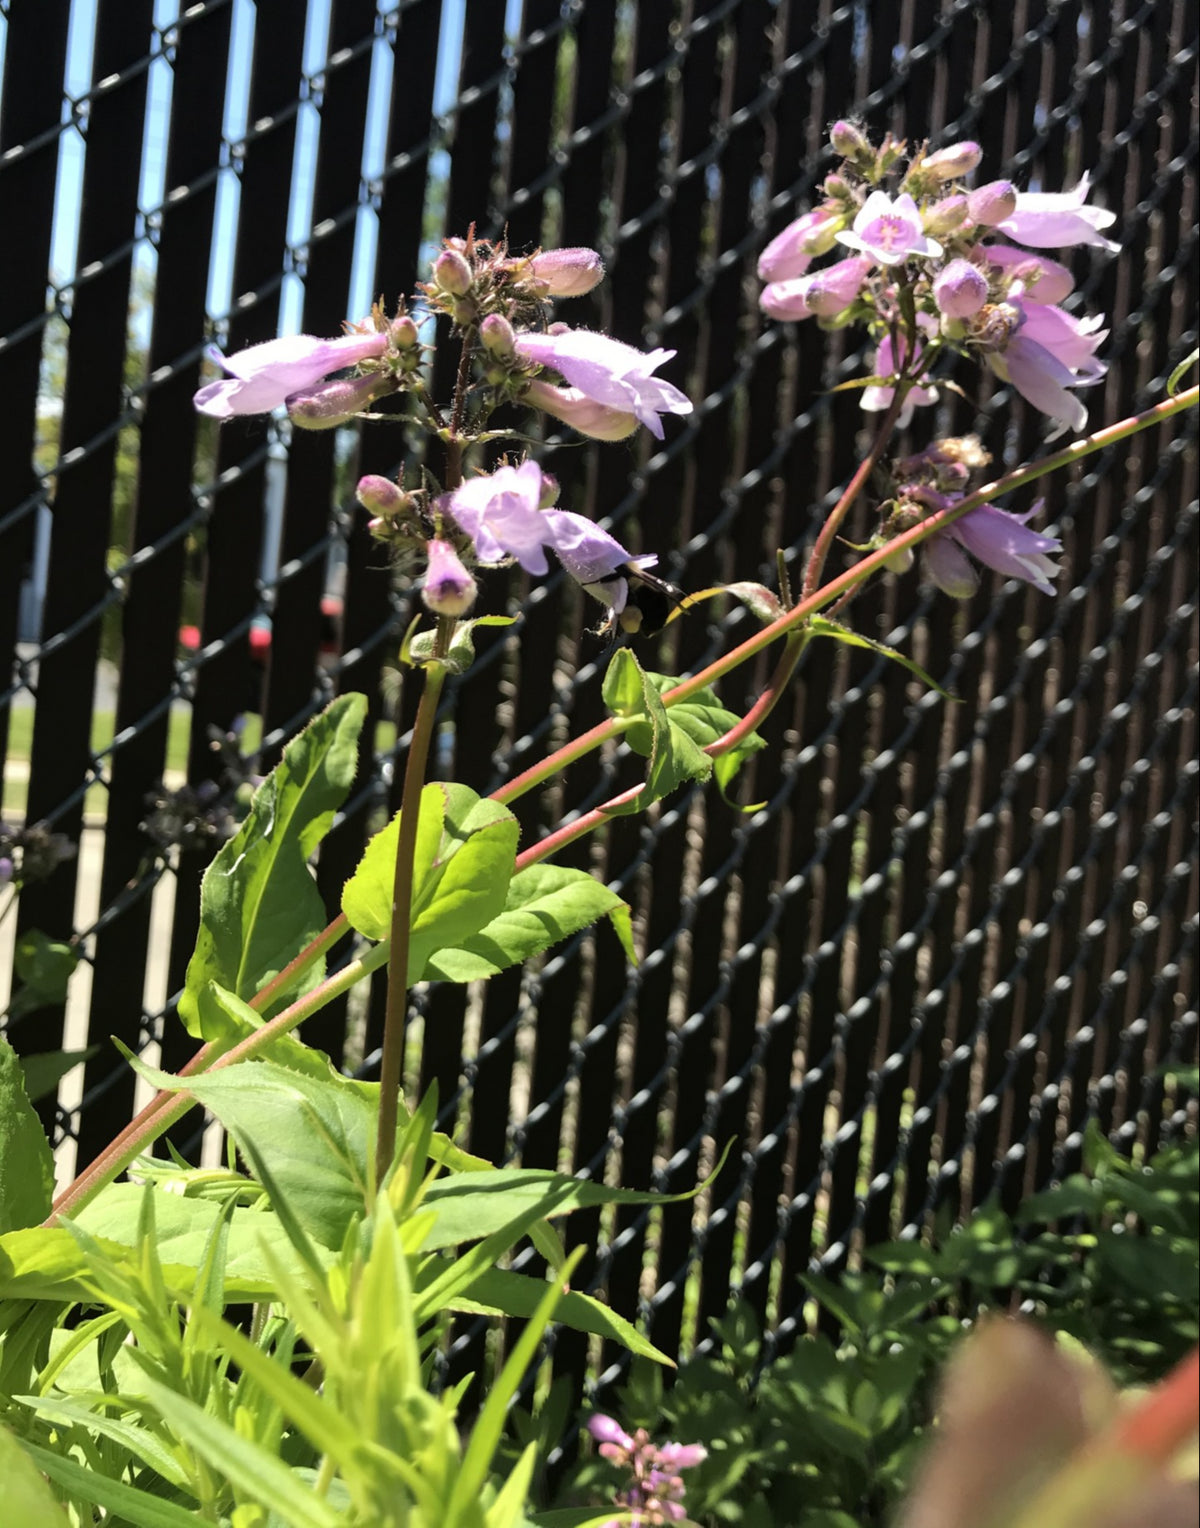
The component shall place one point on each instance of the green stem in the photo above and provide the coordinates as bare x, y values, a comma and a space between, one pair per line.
397, 987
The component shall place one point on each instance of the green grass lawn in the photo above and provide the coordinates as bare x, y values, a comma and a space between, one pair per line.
20, 737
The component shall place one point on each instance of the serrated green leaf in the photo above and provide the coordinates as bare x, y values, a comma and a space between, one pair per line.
314, 1136
259, 905
28, 1500
545, 904
465, 852
26, 1162
821, 626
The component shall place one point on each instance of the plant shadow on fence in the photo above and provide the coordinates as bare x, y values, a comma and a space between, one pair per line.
951, 935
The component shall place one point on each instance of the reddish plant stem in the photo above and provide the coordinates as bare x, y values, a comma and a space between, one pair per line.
141, 1131
828, 532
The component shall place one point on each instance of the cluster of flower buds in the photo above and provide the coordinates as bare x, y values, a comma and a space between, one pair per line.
937, 479
498, 303
31, 853
653, 1493
199, 818
932, 264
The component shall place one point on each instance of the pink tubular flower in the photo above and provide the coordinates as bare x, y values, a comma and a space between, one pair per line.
955, 160
1056, 219
608, 1430
449, 589
608, 372
787, 300
1050, 353
596, 420
960, 289
832, 290
1042, 280
889, 231
790, 253
264, 376
1000, 541
567, 272
503, 516
878, 396
992, 203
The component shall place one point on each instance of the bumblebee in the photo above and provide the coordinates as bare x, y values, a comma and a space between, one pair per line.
639, 604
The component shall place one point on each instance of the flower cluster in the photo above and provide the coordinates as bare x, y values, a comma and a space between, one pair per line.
31, 853
932, 265
498, 305
653, 1493
937, 479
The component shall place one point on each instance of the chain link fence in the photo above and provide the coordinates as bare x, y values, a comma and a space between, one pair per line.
952, 933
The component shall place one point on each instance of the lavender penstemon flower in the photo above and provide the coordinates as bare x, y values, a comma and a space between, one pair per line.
265, 376
609, 373
935, 251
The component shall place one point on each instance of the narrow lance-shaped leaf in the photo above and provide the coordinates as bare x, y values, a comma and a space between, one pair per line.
820, 626
259, 905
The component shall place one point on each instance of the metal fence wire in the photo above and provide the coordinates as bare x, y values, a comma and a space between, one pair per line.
953, 932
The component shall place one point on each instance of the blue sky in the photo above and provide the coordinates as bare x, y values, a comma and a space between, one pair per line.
72, 150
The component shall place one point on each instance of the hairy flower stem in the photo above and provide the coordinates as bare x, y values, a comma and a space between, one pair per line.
397, 986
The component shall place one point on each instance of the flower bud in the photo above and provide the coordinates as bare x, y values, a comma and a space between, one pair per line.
832, 290
992, 203
448, 589
790, 253
497, 337
954, 160
837, 188
850, 142
380, 496
1043, 279
960, 289
334, 403
567, 272
786, 300
549, 494
452, 273
403, 333
606, 1430
7, 869
596, 420
947, 215
900, 560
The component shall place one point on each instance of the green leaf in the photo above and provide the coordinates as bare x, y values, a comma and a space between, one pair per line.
130, 1505
138, 1441
28, 1500
183, 1231
1075, 1195
46, 1069
1148, 1266
458, 659
821, 626
1181, 371
465, 852
313, 1135
26, 1162
500, 1291
44, 966
257, 1473
259, 905
673, 753
545, 904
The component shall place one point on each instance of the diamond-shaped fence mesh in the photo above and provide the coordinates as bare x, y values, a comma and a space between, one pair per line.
955, 930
